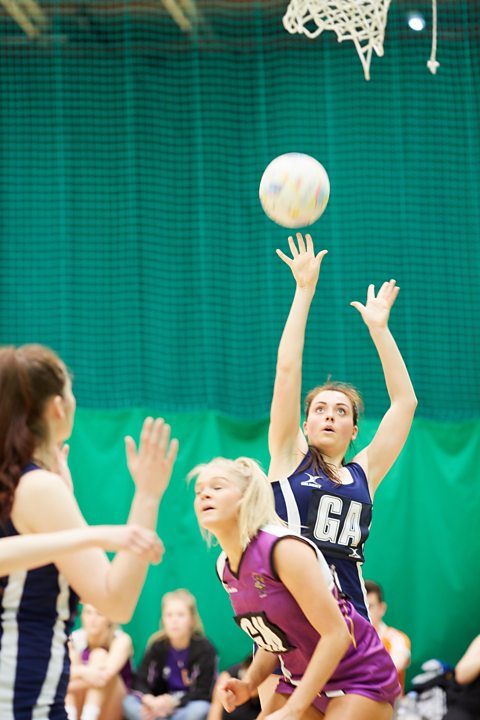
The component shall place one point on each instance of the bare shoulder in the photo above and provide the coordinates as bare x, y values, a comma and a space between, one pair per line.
37, 482
291, 550
44, 502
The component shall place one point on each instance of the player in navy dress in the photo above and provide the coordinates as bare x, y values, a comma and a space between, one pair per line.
36, 496
283, 595
319, 495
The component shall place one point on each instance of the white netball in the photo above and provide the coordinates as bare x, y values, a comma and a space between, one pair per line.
294, 190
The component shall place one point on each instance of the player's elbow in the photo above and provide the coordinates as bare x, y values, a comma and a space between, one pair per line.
122, 616
408, 402
286, 365
405, 408
116, 612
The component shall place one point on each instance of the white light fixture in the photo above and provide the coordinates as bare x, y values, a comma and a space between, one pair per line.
416, 21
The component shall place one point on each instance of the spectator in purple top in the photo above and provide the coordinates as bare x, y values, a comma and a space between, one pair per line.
178, 671
101, 670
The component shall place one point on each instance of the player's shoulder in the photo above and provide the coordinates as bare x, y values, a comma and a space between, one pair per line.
40, 485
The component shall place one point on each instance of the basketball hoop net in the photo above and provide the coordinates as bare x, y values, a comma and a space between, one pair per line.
361, 21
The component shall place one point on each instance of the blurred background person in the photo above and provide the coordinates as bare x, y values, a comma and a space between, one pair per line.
178, 670
397, 644
101, 668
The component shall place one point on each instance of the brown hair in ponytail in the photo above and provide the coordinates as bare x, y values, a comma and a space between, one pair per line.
29, 376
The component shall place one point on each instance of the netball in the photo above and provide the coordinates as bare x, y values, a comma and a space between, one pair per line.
294, 190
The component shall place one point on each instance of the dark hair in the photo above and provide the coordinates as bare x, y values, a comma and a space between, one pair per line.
29, 376
315, 459
373, 587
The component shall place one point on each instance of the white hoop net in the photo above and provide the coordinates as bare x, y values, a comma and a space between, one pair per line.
361, 21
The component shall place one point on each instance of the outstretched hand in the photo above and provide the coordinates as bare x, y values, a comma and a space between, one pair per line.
151, 464
135, 539
376, 311
304, 264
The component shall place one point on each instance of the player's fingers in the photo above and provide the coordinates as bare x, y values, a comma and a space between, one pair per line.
384, 290
371, 292
358, 306
285, 258
309, 243
301, 243
146, 432
391, 286
292, 246
130, 449
172, 451
394, 293
162, 435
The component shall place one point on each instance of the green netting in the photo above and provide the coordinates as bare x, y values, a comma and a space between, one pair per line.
132, 239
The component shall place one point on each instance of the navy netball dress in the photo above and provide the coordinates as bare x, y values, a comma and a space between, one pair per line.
336, 517
37, 610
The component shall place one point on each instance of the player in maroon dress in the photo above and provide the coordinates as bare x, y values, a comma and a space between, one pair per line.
284, 597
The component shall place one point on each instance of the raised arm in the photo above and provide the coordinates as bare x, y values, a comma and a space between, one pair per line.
25, 552
285, 438
44, 503
378, 457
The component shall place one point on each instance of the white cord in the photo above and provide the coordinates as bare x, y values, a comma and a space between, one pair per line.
433, 64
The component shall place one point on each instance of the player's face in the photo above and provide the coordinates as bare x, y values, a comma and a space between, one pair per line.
217, 501
177, 620
329, 425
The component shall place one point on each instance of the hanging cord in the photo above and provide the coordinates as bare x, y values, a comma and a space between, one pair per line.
433, 64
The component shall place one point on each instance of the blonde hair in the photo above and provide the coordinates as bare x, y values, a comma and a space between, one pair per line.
190, 603
257, 506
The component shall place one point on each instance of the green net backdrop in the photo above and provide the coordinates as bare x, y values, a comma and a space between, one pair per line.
132, 241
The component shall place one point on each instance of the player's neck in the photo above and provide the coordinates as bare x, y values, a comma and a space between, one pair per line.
335, 460
45, 456
229, 540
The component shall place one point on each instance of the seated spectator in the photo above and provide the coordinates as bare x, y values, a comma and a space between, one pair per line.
396, 642
178, 671
248, 711
466, 704
101, 670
